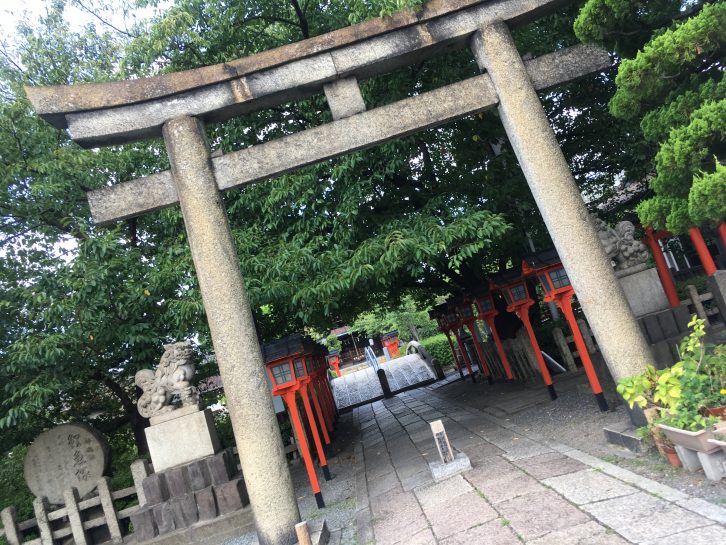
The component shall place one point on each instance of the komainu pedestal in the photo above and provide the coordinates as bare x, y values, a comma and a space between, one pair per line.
176, 441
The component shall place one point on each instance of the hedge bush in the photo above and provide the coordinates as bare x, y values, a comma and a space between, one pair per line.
438, 347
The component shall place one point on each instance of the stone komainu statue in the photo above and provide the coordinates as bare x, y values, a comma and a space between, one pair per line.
620, 244
168, 387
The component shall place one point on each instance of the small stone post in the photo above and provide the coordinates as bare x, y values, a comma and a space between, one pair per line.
139, 471
560, 203
234, 337
74, 516
697, 304
10, 526
41, 508
587, 335
564, 348
109, 512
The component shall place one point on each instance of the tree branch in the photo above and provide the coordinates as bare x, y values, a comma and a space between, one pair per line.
104, 21
304, 28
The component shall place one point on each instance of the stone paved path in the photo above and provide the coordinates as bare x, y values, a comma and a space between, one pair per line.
521, 489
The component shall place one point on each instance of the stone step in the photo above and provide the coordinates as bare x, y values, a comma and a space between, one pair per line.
625, 435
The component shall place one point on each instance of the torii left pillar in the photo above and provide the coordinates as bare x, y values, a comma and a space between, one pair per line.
234, 337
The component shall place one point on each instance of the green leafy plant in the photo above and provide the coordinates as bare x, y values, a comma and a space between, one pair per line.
682, 391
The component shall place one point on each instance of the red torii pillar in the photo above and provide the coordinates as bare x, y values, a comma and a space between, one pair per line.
438, 315
709, 267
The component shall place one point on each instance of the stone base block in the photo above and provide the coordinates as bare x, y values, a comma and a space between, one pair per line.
623, 434
222, 467
231, 496
185, 511
644, 292
182, 440
144, 524
712, 463
206, 503
155, 488
164, 518
441, 471
689, 458
211, 532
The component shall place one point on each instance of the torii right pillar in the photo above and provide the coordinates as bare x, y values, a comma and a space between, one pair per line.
560, 203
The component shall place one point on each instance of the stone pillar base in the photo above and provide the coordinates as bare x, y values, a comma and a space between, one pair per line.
644, 292
182, 440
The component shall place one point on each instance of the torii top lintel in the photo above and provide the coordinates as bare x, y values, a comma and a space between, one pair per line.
124, 111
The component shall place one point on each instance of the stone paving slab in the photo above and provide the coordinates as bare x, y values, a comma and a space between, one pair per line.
641, 517
443, 492
707, 535
469, 510
382, 484
505, 485
534, 515
587, 486
495, 532
552, 464
589, 533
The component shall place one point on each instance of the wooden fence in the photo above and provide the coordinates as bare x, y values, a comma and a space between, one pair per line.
695, 304
76, 518
72, 519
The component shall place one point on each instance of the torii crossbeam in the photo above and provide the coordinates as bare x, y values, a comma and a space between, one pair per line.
176, 106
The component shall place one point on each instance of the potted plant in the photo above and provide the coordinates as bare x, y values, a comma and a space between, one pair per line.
675, 398
696, 382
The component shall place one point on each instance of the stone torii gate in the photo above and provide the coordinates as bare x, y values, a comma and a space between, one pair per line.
177, 105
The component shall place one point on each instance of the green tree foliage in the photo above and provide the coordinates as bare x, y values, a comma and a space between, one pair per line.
85, 307
82, 308
674, 85
403, 317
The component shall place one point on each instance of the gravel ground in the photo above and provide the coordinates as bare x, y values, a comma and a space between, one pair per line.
571, 420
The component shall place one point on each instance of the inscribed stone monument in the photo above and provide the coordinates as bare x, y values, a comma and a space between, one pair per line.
69, 455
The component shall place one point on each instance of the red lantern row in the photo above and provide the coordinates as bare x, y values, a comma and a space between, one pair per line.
297, 365
512, 284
